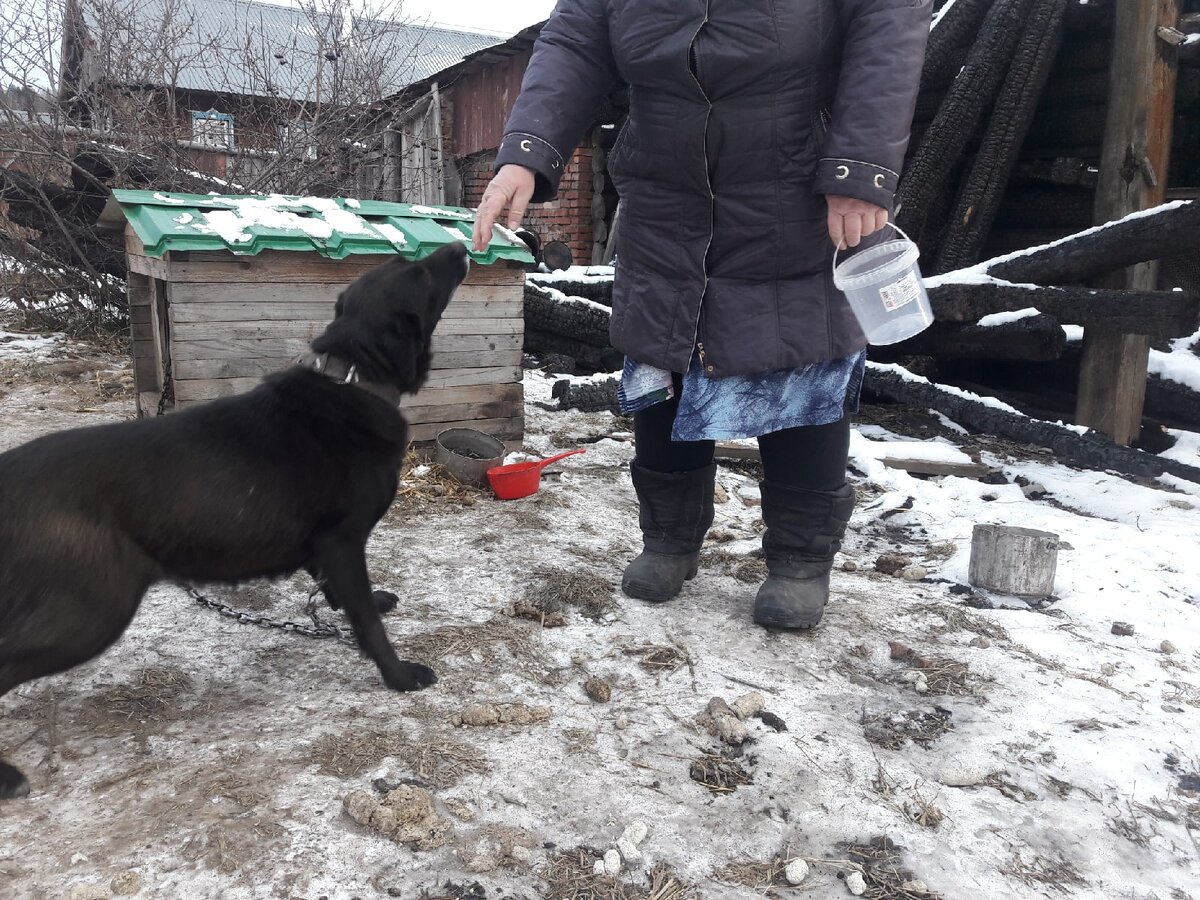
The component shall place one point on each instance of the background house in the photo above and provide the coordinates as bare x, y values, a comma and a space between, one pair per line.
472, 100
264, 95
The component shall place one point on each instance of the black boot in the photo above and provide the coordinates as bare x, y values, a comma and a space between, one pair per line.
804, 532
676, 509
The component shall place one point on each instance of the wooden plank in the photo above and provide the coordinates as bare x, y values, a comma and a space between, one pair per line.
1133, 176
160, 339
308, 330
492, 409
238, 365
137, 290
236, 301
470, 394
474, 359
219, 347
283, 266
211, 388
512, 429
246, 331
463, 377
217, 307
480, 326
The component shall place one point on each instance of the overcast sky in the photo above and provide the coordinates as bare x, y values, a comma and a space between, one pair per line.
504, 16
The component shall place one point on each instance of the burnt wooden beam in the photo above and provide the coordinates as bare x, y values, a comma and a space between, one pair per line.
970, 96
1004, 133
1161, 313
1133, 177
1172, 229
1092, 450
578, 321
1034, 338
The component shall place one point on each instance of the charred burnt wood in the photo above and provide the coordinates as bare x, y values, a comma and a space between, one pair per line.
981, 194
1066, 90
553, 312
968, 99
1175, 404
1067, 126
1064, 171
587, 356
1004, 241
598, 291
1092, 450
1170, 230
587, 396
1094, 17
1033, 338
1156, 313
1048, 207
956, 30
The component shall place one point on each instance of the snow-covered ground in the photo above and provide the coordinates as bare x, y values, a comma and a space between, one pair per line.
1034, 754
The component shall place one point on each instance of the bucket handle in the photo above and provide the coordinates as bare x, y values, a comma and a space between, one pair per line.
889, 223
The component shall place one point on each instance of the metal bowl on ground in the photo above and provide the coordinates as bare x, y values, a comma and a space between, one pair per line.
467, 454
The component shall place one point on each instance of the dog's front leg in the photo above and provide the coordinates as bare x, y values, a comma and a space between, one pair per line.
385, 601
342, 565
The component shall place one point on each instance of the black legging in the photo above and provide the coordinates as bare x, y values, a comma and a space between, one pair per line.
811, 457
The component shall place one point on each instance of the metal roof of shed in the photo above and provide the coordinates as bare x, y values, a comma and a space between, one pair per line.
267, 49
332, 227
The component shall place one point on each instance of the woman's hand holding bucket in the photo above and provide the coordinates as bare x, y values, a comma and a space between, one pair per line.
851, 220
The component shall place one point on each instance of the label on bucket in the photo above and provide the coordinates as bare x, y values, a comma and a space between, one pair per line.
900, 293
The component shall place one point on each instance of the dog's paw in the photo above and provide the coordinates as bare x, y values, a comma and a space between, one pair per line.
13, 783
410, 676
385, 601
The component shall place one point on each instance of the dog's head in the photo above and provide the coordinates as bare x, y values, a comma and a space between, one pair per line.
384, 321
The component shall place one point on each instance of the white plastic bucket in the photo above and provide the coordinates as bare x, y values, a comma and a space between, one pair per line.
884, 287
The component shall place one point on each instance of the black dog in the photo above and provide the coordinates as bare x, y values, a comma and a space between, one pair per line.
291, 475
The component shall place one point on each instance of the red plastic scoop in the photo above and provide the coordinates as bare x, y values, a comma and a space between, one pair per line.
521, 479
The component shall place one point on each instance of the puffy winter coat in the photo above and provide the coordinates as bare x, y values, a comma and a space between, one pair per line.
743, 114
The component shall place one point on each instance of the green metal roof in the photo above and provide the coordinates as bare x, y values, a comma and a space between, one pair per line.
335, 228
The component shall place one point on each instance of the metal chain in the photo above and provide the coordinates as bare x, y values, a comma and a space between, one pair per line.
319, 628
168, 389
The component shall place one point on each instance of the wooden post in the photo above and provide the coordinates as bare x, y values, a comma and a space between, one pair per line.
1133, 176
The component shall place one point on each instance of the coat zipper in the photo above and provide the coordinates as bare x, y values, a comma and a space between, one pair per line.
712, 200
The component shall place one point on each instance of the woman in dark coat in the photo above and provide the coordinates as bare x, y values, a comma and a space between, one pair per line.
761, 134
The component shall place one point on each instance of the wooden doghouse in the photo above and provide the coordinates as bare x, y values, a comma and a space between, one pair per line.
223, 290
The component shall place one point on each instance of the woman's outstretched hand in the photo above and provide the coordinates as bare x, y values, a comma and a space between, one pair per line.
852, 220
511, 189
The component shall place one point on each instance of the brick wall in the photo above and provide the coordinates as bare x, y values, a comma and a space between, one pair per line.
567, 219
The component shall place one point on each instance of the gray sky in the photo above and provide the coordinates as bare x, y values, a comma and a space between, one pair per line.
504, 16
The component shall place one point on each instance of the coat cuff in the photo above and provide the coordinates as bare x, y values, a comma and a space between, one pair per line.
857, 179
539, 156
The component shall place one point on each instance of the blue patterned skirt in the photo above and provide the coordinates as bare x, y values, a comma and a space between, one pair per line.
746, 406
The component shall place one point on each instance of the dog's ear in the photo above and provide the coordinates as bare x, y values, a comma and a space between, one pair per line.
339, 307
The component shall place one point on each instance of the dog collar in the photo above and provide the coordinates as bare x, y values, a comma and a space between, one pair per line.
342, 371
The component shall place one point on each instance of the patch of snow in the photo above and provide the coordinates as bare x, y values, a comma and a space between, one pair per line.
172, 201
941, 13
1180, 365
559, 297
1003, 318
1074, 333
17, 345
352, 203
441, 212
574, 273
456, 233
184, 218
391, 232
